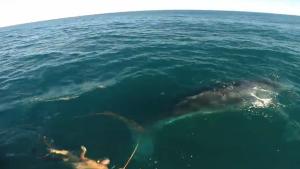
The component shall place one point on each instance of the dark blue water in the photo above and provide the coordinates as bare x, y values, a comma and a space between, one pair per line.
140, 65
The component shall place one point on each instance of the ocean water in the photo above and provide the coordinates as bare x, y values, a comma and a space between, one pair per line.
55, 75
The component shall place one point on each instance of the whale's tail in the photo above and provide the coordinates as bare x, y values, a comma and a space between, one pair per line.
141, 136
131, 124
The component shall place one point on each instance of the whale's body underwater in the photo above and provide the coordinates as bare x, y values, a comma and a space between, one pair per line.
231, 96
234, 95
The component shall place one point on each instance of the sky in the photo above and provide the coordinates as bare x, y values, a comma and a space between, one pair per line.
14, 12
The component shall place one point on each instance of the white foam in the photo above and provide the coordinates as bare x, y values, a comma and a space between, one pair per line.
261, 102
263, 98
69, 92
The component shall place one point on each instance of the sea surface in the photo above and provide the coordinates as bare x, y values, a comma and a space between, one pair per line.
56, 75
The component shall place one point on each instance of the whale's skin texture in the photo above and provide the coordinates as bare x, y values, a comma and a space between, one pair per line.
233, 95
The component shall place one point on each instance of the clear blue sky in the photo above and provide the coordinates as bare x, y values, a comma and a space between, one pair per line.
23, 11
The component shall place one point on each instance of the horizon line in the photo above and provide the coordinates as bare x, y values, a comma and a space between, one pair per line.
134, 11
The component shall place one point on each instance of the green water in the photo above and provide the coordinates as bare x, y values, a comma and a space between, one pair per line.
141, 65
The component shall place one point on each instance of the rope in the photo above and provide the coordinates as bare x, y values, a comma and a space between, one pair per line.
132, 154
134, 126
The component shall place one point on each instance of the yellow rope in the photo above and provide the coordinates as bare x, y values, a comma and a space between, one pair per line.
128, 161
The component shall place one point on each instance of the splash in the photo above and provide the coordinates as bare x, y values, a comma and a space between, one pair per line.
262, 98
261, 102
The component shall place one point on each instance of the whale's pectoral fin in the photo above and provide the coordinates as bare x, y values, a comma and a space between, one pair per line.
132, 125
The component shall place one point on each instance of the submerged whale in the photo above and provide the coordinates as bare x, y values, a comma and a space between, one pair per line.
230, 96
234, 95
242, 94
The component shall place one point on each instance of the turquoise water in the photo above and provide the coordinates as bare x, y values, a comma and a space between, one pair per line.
141, 65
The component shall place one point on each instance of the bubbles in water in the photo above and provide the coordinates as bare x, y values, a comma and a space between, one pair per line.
262, 98
260, 102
